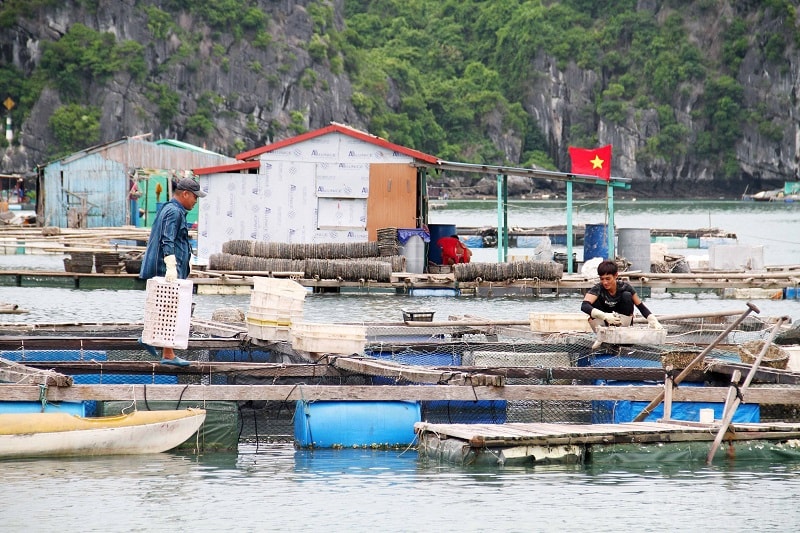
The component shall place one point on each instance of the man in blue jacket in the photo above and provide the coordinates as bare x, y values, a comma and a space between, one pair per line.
169, 250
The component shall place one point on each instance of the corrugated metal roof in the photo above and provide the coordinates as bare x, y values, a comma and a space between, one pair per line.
186, 146
345, 130
137, 152
235, 167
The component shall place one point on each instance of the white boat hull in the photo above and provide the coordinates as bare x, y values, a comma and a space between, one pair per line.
61, 435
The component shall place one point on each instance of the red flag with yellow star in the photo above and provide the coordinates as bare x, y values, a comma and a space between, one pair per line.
591, 162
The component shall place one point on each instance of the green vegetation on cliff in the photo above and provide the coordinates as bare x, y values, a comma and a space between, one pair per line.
452, 77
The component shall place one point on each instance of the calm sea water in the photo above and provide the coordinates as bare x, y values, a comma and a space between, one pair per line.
278, 488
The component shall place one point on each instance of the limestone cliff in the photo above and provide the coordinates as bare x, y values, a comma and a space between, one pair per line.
258, 94
255, 93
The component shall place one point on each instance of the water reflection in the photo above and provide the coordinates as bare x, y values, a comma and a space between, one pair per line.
280, 488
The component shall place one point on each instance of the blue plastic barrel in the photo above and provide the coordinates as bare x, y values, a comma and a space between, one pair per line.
329, 424
595, 241
437, 232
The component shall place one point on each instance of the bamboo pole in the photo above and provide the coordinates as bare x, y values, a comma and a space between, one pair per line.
685, 372
713, 314
485, 322
730, 409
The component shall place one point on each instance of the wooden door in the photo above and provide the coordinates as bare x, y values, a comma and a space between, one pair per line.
392, 201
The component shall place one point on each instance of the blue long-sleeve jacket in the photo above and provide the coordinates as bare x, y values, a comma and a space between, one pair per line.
168, 236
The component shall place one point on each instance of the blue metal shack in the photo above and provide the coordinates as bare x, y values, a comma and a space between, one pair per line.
91, 188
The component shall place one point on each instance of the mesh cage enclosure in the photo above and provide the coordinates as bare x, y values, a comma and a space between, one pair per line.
513, 351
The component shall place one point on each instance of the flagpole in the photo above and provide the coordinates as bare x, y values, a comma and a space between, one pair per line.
569, 227
610, 213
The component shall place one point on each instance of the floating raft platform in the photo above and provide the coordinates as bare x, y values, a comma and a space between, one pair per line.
529, 443
774, 283
529, 237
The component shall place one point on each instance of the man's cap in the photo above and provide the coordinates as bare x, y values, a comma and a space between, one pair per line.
188, 184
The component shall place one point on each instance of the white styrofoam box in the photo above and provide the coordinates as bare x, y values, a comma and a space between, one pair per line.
657, 251
631, 335
735, 257
554, 322
167, 313
750, 293
708, 242
697, 262
329, 338
672, 241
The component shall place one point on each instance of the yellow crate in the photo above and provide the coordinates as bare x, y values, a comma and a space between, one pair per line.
267, 332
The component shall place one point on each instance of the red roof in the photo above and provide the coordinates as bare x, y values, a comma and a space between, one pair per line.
344, 130
233, 167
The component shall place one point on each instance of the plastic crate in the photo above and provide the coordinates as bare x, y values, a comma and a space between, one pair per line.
556, 322
168, 313
417, 316
329, 338
267, 332
270, 326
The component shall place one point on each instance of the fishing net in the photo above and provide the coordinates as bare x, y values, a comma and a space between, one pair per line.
398, 354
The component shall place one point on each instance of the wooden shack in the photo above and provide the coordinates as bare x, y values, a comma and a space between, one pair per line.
334, 184
95, 187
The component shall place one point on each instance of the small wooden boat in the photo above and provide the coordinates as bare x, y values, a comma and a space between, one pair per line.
61, 434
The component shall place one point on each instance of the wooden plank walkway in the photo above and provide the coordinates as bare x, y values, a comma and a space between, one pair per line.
511, 443
518, 433
241, 282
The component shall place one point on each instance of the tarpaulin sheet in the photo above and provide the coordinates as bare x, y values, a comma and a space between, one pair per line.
403, 234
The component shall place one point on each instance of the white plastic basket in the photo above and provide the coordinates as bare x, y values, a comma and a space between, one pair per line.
167, 313
329, 338
275, 304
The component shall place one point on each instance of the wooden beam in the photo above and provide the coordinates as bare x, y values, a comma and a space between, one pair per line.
762, 375
196, 368
12, 372
316, 370
768, 395
414, 374
41, 342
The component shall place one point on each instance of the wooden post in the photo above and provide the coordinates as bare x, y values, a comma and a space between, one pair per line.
730, 410
668, 385
685, 372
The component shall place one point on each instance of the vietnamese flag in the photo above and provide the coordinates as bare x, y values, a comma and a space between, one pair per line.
591, 162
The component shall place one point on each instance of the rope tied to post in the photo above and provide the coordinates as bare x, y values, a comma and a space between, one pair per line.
43, 395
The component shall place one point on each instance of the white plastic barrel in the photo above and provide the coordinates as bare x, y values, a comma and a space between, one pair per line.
414, 252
